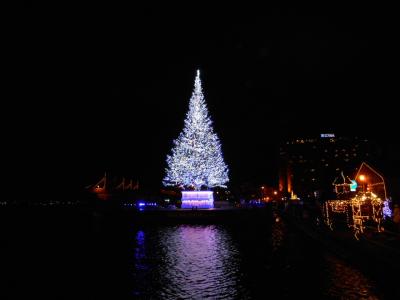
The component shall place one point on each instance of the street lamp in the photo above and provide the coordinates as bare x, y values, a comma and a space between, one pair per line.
363, 179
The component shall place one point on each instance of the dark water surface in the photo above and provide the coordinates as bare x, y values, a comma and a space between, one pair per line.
68, 255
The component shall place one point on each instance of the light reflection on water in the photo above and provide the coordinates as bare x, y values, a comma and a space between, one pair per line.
345, 282
140, 252
275, 261
193, 262
215, 262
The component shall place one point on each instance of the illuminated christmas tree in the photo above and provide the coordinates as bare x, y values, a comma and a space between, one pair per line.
196, 161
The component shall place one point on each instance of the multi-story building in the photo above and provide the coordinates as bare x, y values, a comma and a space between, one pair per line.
309, 166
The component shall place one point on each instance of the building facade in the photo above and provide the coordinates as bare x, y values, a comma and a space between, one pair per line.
308, 166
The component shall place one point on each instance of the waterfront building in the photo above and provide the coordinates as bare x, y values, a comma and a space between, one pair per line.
309, 165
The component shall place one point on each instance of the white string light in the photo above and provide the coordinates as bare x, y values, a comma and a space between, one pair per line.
196, 159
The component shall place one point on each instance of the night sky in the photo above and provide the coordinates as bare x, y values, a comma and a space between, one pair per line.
105, 86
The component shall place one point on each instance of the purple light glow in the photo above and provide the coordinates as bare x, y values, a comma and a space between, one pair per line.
387, 212
197, 199
197, 257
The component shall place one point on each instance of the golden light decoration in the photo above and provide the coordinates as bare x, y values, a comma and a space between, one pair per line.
363, 207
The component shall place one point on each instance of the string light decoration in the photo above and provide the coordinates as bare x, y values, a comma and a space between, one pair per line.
363, 207
341, 206
196, 160
387, 212
333, 207
359, 205
327, 217
372, 180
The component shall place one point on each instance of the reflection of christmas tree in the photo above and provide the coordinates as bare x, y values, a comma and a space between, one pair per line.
196, 158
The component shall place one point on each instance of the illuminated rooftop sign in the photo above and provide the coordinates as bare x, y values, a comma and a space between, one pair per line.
327, 135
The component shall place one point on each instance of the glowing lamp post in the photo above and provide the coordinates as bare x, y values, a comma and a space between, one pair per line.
363, 179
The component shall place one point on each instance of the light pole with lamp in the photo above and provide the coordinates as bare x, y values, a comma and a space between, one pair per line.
363, 179
262, 193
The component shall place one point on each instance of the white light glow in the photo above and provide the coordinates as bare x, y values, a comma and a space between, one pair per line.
196, 158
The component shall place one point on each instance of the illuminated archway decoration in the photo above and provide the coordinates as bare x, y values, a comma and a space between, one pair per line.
361, 199
374, 181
